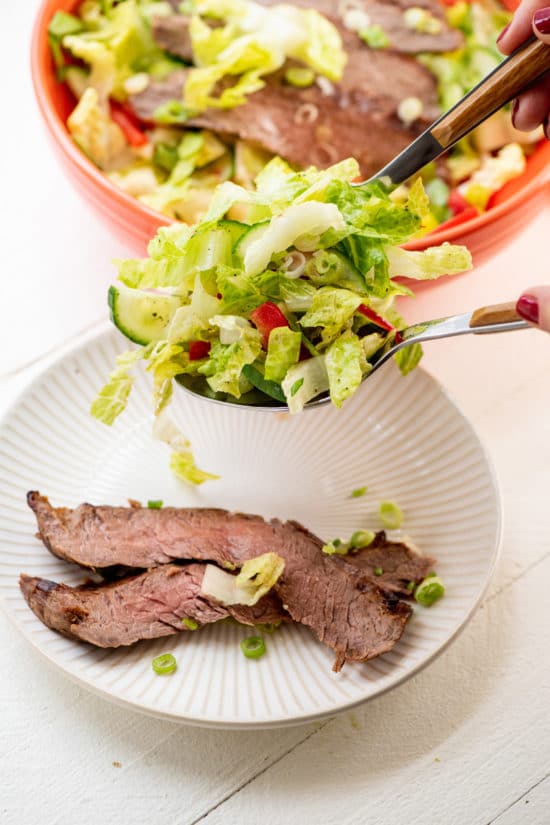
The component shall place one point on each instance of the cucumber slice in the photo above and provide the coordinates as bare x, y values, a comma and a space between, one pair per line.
270, 388
141, 316
253, 234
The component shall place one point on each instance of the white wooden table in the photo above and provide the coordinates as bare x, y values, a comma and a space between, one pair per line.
466, 742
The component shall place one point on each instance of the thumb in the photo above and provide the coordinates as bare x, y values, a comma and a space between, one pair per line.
541, 25
534, 306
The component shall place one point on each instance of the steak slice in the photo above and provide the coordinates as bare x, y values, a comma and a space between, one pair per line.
146, 606
400, 563
337, 600
171, 32
354, 118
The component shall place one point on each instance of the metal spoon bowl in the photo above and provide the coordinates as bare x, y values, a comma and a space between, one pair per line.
482, 321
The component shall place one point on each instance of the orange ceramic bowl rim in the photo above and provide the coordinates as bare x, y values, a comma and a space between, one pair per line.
42, 67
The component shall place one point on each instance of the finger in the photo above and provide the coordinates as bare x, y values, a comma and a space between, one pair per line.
541, 24
521, 26
532, 107
534, 306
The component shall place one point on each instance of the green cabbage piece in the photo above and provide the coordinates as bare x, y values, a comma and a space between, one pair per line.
113, 397
305, 381
343, 363
283, 352
225, 363
446, 259
255, 41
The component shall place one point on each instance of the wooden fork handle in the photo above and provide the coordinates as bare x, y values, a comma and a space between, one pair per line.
526, 65
495, 314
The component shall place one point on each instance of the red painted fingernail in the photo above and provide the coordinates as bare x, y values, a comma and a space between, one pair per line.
515, 109
528, 307
541, 21
503, 32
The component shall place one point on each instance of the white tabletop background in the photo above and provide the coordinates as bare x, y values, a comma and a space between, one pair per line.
466, 742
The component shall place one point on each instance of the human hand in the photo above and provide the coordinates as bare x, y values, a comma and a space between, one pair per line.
531, 108
534, 306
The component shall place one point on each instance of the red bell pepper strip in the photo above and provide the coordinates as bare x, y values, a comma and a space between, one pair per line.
198, 350
267, 317
457, 203
378, 320
130, 125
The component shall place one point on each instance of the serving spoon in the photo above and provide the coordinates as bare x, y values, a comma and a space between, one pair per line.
521, 69
482, 321
511, 77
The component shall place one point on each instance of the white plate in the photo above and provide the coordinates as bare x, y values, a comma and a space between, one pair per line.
404, 438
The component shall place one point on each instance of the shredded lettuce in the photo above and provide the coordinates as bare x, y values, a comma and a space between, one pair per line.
256, 578
283, 351
253, 42
446, 259
93, 130
113, 397
182, 461
344, 247
343, 363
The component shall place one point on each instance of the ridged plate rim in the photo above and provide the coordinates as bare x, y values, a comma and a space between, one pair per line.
50, 364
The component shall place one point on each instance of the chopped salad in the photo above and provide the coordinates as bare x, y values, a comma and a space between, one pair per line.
280, 294
107, 54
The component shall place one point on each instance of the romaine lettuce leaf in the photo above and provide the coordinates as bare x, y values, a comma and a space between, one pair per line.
113, 397
283, 351
285, 230
225, 363
408, 358
182, 461
446, 259
343, 362
305, 381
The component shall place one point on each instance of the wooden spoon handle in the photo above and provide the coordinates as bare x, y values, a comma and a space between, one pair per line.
526, 65
495, 314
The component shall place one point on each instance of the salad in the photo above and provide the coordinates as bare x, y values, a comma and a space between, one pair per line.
172, 99
281, 293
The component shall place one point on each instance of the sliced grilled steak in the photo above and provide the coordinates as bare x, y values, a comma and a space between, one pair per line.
146, 606
172, 34
357, 118
400, 564
354, 118
338, 601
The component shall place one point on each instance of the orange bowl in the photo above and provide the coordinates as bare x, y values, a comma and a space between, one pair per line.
513, 207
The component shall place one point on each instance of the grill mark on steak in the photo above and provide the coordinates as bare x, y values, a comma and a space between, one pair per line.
337, 600
358, 118
146, 606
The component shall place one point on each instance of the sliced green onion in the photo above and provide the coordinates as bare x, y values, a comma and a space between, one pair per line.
165, 664
154, 504
190, 624
361, 539
390, 514
299, 77
253, 647
374, 36
295, 387
410, 587
335, 547
429, 591
378, 571
359, 492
